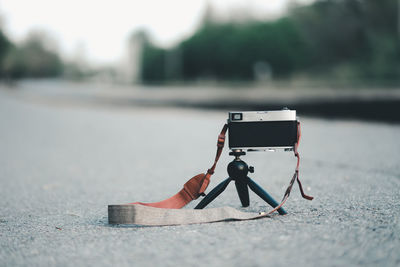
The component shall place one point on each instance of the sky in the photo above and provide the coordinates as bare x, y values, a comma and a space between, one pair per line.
99, 30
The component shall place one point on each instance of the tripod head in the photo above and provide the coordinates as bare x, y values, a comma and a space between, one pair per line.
237, 153
238, 168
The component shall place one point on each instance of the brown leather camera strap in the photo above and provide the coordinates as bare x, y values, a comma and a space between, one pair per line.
167, 212
295, 175
193, 188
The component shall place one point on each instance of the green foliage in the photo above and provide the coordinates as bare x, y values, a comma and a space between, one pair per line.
31, 59
5, 46
153, 66
229, 51
346, 39
334, 31
360, 36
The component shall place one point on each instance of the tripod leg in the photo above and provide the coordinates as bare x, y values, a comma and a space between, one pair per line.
264, 195
213, 194
243, 192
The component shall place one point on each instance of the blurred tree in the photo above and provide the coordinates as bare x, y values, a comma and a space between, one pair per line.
361, 35
334, 31
351, 39
382, 28
33, 58
153, 63
230, 51
5, 46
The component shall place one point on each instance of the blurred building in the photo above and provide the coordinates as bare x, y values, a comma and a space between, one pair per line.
129, 70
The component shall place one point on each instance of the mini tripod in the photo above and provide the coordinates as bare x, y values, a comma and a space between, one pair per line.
238, 170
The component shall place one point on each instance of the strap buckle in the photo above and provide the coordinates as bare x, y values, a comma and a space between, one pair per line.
221, 140
196, 186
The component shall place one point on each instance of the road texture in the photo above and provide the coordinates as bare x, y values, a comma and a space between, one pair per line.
60, 166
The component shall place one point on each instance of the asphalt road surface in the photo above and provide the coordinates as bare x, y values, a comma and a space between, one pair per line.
61, 165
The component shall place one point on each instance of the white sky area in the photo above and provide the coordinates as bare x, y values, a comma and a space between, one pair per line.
99, 29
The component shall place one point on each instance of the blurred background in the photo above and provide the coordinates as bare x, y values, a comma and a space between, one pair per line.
115, 101
324, 57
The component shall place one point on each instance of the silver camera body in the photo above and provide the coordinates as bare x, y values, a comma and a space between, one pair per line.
262, 130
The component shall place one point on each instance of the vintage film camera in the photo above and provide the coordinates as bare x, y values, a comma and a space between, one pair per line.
262, 130
253, 131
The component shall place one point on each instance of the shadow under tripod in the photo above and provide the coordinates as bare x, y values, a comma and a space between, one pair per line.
238, 170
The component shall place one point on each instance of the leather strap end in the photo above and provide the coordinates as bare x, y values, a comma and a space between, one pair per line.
302, 191
307, 197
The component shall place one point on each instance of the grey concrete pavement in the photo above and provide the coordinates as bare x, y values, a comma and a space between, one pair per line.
60, 166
